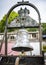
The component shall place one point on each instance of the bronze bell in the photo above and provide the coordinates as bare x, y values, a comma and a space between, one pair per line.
22, 42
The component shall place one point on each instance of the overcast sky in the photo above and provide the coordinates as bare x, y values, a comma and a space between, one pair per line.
5, 5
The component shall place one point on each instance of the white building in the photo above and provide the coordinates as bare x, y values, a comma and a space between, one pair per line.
33, 38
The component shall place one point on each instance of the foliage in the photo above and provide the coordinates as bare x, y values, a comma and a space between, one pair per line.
32, 29
44, 48
12, 16
44, 28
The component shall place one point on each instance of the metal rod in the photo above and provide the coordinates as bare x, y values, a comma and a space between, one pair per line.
6, 40
40, 37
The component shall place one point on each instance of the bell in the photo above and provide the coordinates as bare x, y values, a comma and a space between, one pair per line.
22, 42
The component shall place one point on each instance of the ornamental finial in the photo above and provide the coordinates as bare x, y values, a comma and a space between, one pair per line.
22, 0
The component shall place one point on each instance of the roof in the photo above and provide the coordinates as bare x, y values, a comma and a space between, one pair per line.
23, 20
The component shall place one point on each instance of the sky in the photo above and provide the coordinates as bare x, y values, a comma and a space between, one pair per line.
5, 5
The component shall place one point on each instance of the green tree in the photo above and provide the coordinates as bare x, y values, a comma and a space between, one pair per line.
32, 29
44, 28
12, 16
44, 48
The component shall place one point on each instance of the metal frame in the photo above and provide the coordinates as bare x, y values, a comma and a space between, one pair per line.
16, 5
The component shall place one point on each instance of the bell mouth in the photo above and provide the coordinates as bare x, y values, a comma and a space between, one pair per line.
20, 49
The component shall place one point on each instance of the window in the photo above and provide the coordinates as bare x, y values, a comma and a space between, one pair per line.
12, 37
34, 35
